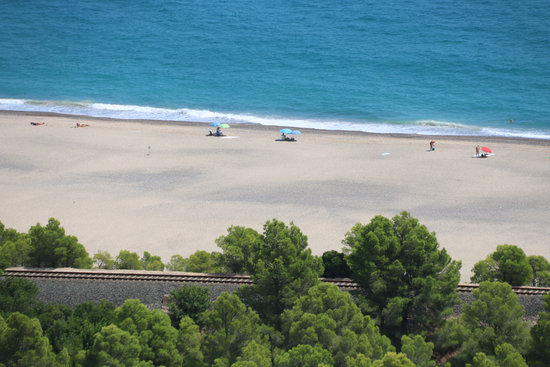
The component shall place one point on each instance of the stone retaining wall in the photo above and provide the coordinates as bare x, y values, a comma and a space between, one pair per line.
73, 292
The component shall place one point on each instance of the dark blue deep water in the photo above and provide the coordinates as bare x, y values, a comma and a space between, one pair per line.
400, 66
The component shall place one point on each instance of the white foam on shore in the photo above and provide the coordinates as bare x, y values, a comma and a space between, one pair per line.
420, 127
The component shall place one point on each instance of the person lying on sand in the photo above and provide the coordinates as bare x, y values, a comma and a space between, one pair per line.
78, 124
37, 123
286, 138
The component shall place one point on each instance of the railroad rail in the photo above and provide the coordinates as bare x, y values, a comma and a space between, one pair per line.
184, 277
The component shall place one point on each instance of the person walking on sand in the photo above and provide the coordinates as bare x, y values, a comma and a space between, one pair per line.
432, 145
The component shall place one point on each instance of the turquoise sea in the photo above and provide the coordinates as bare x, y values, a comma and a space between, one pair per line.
396, 66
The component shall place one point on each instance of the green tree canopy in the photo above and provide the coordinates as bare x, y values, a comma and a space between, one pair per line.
359, 360
103, 260
128, 260
17, 295
507, 264
254, 354
189, 343
328, 317
240, 247
153, 330
304, 356
506, 356
114, 347
392, 359
408, 283
230, 326
494, 318
177, 263
51, 248
539, 349
87, 320
14, 248
203, 262
189, 300
23, 344
335, 265
541, 271
284, 270
54, 319
418, 350
150, 262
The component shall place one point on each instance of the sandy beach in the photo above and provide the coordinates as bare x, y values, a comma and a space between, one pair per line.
168, 189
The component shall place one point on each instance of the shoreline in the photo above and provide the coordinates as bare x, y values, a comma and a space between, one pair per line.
166, 188
488, 138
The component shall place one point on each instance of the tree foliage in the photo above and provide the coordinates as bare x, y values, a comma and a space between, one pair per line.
128, 260
153, 330
177, 263
254, 354
189, 343
418, 350
103, 260
239, 247
114, 347
304, 356
23, 344
88, 319
408, 283
51, 248
284, 270
203, 262
328, 317
17, 295
539, 350
507, 264
335, 265
189, 300
393, 359
506, 356
494, 318
541, 271
230, 326
150, 262
14, 247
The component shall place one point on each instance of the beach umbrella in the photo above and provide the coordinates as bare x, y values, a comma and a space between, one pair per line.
286, 131
215, 124
295, 132
225, 126
486, 150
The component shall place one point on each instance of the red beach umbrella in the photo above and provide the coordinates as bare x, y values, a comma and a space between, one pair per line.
486, 150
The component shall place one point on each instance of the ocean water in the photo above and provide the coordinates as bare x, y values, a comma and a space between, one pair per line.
395, 66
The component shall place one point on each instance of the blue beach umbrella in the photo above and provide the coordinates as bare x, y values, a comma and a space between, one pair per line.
215, 124
286, 131
295, 132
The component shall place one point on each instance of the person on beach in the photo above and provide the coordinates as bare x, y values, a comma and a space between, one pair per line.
432, 145
286, 138
37, 123
217, 133
477, 150
78, 124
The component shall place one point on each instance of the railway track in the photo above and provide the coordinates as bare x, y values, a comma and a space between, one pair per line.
182, 277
